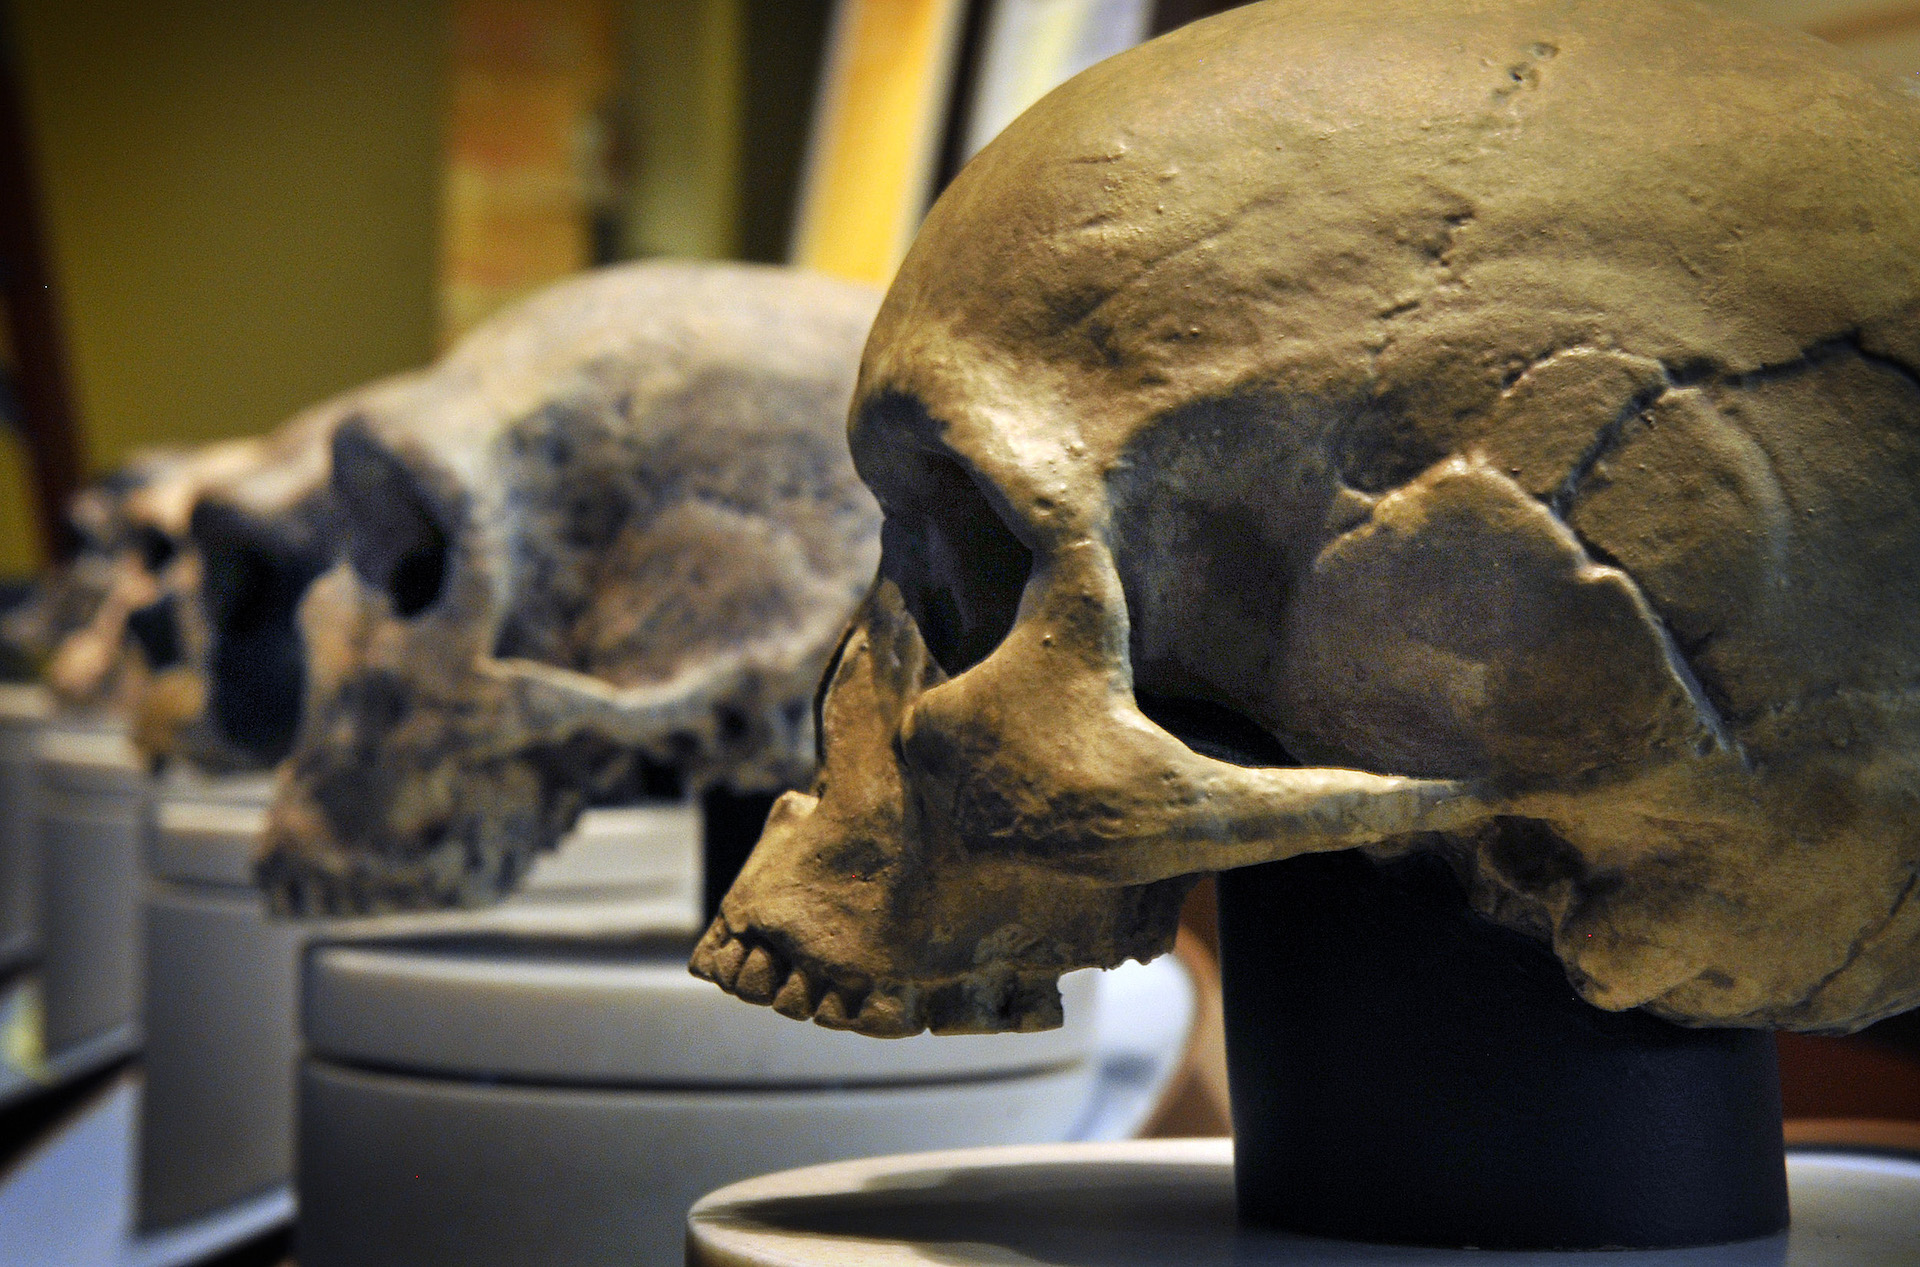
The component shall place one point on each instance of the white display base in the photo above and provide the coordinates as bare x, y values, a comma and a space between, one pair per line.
221, 1011
1169, 1203
96, 807
454, 1098
23, 709
216, 1122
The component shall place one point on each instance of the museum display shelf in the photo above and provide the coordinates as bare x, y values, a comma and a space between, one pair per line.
455, 1095
1154, 1203
71, 1200
95, 811
221, 1006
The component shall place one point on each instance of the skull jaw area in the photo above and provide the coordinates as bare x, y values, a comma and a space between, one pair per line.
430, 772
977, 950
462, 859
920, 889
419, 782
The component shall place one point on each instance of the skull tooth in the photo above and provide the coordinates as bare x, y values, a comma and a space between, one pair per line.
796, 997
890, 1013
727, 962
703, 963
837, 1010
759, 976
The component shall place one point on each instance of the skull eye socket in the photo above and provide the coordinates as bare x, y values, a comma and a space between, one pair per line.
156, 548
1214, 730
156, 629
252, 583
959, 568
394, 539
418, 574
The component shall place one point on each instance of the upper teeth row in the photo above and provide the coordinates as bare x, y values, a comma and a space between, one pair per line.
759, 974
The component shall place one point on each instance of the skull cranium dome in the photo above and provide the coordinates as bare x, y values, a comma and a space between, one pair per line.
607, 543
1488, 428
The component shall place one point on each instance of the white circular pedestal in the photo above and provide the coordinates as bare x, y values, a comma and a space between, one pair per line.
216, 1110
221, 1008
1169, 1203
513, 1101
22, 711
96, 807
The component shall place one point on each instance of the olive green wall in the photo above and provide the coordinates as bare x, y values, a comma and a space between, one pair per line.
241, 202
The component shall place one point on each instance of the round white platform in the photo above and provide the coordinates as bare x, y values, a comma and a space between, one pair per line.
96, 806
455, 1094
23, 709
1157, 1203
576, 1017
216, 1123
492, 1101
222, 1034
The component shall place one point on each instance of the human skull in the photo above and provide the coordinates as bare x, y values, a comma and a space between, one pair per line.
84, 625
221, 640
1485, 428
607, 544
69, 597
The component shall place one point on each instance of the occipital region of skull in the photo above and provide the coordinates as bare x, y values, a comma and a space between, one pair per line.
1371, 426
606, 544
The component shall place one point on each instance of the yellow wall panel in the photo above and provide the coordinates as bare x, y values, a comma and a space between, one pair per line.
19, 539
240, 200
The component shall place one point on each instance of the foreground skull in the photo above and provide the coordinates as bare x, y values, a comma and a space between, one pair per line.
608, 542
1483, 428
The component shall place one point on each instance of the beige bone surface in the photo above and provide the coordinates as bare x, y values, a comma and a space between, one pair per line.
1482, 427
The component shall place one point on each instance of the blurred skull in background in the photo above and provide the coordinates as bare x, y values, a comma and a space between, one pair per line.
220, 640
606, 544
70, 596
93, 627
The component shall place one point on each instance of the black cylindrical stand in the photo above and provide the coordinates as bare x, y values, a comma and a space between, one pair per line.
730, 825
1405, 1071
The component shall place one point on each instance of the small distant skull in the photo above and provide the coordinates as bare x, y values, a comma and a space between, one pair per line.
90, 627
71, 598
1489, 429
605, 546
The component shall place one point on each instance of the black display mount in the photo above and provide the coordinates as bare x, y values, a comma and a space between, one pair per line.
1404, 1071
730, 826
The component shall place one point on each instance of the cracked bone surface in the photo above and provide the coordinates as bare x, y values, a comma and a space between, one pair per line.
1484, 428
610, 539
